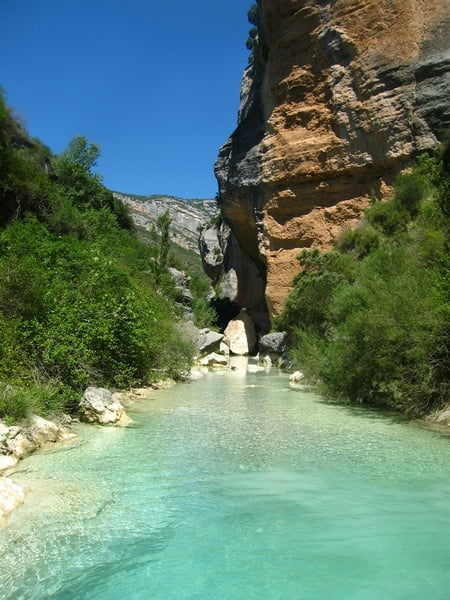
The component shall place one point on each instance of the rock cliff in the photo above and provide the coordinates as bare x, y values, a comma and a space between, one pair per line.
339, 96
187, 215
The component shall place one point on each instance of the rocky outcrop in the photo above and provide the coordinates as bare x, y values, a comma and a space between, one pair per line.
187, 215
339, 97
16, 443
238, 279
99, 405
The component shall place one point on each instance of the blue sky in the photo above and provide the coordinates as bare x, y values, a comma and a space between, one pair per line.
154, 83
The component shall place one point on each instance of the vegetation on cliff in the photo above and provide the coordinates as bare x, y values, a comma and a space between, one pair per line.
371, 319
82, 300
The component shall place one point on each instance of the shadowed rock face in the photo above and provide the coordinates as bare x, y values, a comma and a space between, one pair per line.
340, 97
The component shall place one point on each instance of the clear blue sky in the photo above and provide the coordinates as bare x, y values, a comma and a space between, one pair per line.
154, 83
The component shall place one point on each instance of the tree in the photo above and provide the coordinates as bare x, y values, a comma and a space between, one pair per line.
163, 224
82, 152
161, 232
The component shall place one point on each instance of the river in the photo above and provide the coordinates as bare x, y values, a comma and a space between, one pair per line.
235, 486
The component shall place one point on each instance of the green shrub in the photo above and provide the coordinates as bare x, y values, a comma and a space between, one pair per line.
307, 303
410, 190
388, 217
359, 242
383, 334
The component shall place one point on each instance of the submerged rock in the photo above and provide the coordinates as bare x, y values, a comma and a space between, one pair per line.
7, 461
99, 405
11, 496
213, 359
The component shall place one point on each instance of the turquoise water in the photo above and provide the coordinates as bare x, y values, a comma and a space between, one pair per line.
235, 487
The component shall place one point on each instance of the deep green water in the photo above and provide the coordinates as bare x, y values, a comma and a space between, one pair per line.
235, 487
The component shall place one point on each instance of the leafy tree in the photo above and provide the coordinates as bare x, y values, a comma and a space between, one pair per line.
82, 152
161, 235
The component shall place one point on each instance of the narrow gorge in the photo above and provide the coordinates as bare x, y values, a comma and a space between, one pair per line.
338, 98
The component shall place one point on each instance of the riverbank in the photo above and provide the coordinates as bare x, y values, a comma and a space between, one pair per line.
18, 442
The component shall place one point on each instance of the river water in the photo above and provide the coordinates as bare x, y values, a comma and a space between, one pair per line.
235, 486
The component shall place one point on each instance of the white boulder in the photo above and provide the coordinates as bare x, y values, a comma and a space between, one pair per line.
240, 335
99, 405
213, 359
297, 377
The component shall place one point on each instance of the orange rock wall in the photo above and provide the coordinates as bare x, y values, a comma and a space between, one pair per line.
341, 95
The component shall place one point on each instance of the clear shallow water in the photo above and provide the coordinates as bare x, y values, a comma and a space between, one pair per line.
235, 487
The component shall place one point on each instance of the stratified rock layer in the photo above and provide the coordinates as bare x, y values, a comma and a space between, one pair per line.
341, 95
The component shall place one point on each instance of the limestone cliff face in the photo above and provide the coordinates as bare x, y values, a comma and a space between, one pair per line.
340, 96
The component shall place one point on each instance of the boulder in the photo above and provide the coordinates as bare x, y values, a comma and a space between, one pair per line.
99, 405
11, 496
213, 359
7, 461
43, 431
240, 335
297, 377
265, 361
208, 341
20, 443
273, 343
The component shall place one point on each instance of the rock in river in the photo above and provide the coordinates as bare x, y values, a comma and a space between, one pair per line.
99, 405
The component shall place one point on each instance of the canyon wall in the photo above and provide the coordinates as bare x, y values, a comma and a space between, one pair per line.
339, 96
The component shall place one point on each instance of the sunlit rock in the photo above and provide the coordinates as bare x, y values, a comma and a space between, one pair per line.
7, 461
240, 334
338, 98
20, 442
213, 359
11, 496
209, 341
99, 405
297, 377
44, 431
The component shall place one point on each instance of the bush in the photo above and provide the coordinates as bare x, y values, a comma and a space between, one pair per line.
388, 217
383, 334
359, 242
410, 190
377, 330
307, 303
